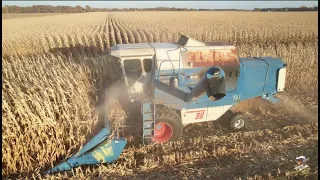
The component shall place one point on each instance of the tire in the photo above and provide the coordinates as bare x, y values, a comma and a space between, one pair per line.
238, 122
225, 118
171, 117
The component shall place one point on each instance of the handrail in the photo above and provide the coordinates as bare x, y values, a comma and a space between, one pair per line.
171, 66
171, 62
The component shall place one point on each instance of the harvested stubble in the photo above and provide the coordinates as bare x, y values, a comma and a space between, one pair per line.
221, 156
55, 71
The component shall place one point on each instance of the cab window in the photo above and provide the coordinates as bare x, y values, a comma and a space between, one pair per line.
147, 64
133, 70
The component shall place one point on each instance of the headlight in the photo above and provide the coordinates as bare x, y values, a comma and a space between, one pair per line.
281, 79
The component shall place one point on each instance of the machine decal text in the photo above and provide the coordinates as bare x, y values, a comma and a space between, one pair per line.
200, 115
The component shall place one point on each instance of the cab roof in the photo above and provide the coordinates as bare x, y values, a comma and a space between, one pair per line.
139, 49
149, 49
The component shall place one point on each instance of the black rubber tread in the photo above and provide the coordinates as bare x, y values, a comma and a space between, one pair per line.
172, 117
237, 116
225, 118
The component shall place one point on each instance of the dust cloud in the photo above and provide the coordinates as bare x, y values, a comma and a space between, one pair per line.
110, 110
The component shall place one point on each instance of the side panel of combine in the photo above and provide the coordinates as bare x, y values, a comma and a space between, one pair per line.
224, 57
194, 115
255, 73
215, 112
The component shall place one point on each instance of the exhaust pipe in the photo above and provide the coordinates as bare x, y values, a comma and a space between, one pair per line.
212, 82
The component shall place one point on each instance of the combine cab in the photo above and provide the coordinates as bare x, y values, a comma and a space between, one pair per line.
182, 83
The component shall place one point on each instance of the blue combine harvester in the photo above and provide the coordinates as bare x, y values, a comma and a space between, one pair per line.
182, 83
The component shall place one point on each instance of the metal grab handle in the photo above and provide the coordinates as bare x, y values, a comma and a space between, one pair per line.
171, 66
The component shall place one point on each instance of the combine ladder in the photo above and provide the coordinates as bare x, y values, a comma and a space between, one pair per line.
148, 117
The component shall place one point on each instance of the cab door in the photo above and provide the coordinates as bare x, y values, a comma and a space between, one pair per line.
136, 70
132, 70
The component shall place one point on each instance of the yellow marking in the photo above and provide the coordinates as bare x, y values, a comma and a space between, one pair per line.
107, 151
103, 152
98, 156
107, 144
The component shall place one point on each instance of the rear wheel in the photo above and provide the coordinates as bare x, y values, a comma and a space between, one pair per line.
168, 125
238, 121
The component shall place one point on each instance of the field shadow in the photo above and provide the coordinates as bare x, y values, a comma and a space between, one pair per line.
79, 52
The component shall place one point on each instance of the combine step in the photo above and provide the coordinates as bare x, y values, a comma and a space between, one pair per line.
148, 117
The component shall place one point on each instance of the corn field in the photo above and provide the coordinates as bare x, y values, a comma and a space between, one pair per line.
56, 69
